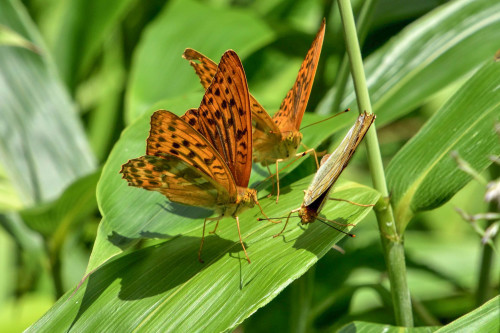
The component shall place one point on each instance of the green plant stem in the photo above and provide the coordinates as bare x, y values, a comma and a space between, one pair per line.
392, 243
484, 280
362, 26
301, 301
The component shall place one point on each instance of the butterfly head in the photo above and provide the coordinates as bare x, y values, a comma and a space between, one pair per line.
247, 198
291, 142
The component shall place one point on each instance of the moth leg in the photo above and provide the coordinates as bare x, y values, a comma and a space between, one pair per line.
272, 181
203, 235
286, 223
351, 202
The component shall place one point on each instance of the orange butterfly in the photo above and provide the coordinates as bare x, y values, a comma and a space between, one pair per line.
330, 170
203, 158
275, 139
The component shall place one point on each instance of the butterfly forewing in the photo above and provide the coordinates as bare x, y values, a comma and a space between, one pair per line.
330, 170
205, 68
224, 117
172, 136
179, 181
289, 116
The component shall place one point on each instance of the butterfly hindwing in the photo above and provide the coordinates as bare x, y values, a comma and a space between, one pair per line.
289, 116
174, 178
172, 136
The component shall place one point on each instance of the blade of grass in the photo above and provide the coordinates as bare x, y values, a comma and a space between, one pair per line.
391, 241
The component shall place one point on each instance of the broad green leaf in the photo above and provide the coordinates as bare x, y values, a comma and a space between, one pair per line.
118, 202
74, 205
164, 288
365, 327
37, 304
105, 91
42, 145
482, 319
428, 55
82, 28
9, 37
423, 175
9, 199
158, 70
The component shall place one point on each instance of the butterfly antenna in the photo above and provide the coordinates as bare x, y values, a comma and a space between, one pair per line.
324, 221
335, 115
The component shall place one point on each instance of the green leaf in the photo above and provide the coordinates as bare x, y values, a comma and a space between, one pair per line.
158, 70
164, 287
118, 202
75, 204
423, 176
482, 319
82, 27
105, 90
9, 199
42, 145
364, 327
9, 37
427, 56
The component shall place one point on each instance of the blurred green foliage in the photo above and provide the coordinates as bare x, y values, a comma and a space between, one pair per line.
78, 82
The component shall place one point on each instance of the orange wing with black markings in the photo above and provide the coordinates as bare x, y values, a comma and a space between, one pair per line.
224, 117
172, 136
289, 116
176, 179
205, 68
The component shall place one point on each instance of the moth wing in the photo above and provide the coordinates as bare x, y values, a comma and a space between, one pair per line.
331, 169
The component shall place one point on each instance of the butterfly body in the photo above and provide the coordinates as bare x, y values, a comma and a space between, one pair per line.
284, 149
204, 157
246, 199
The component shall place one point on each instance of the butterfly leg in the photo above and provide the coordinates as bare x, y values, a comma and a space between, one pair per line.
309, 151
261, 210
351, 202
215, 229
203, 235
277, 181
272, 181
241, 241
286, 223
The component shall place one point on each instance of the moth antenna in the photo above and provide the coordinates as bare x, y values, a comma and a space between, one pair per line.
324, 221
271, 218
